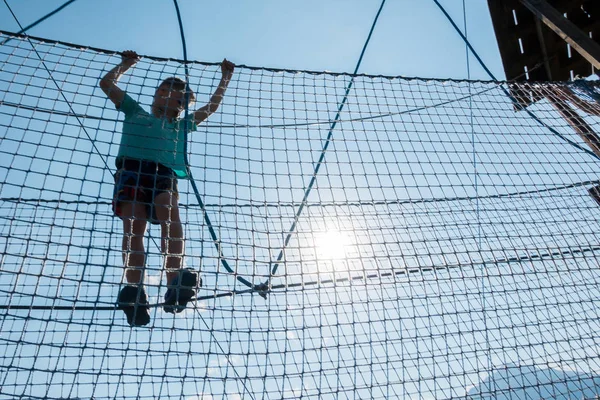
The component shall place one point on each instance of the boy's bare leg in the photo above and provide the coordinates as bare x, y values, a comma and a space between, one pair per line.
172, 243
134, 229
181, 283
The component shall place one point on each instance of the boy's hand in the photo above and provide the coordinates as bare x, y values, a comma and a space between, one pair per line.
227, 68
129, 58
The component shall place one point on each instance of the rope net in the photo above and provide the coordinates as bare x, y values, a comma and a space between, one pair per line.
447, 248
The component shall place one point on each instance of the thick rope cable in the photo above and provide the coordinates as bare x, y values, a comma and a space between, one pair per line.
40, 20
209, 224
321, 160
483, 269
270, 69
193, 184
337, 204
491, 75
528, 257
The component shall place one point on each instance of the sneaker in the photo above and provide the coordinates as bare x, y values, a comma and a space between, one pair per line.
181, 290
134, 302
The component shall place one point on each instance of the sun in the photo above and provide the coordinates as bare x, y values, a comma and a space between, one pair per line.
331, 245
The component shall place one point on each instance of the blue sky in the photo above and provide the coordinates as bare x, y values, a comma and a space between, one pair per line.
517, 274
412, 38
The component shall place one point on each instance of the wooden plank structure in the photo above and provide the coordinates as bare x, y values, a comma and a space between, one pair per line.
551, 40
532, 51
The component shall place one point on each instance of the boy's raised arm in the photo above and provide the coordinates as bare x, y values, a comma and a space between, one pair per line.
108, 83
201, 114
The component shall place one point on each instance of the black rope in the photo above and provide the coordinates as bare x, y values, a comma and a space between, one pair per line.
321, 283
45, 17
255, 68
211, 229
321, 157
197, 193
324, 205
487, 70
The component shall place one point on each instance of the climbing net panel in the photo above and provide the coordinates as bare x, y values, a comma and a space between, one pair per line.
425, 240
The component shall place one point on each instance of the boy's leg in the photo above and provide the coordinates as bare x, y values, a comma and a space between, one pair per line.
134, 219
181, 282
132, 297
172, 243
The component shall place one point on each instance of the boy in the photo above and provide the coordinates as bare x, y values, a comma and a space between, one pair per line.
149, 162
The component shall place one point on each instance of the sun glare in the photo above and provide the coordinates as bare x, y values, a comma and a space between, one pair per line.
331, 245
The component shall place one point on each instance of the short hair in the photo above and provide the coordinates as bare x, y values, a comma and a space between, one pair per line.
179, 85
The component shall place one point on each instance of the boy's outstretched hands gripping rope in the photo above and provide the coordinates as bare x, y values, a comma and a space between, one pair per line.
129, 58
108, 83
227, 68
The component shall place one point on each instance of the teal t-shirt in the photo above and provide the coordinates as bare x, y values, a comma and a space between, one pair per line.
146, 137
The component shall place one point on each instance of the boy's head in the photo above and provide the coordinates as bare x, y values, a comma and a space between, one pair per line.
169, 99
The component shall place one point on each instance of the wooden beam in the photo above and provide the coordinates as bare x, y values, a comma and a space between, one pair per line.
559, 97
578, 124
584, 131
564, 28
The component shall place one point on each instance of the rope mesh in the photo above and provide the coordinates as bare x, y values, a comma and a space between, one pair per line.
405, 277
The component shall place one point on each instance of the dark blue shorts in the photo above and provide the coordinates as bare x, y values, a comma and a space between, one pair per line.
141, 181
